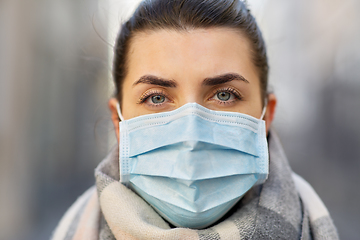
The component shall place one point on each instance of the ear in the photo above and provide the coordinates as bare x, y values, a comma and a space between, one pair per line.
270, 111
112, 104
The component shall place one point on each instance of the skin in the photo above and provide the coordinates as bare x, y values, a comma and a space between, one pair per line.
212, 67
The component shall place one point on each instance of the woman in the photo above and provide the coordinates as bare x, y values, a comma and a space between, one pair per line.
192, 117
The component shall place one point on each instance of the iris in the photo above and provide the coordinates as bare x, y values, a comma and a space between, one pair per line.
223, 96
157, 99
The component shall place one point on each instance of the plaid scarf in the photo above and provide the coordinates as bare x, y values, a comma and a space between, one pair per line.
284, 207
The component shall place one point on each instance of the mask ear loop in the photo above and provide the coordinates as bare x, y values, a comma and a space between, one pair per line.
264, 110
122, 119
119, 112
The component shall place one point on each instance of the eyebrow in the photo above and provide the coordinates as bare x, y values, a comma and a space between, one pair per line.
223, 79
150, 79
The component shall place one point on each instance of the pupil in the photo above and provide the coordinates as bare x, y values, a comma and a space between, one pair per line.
158, 99
223, 96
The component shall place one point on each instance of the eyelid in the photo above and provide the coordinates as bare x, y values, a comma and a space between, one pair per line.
152, 92
232, 90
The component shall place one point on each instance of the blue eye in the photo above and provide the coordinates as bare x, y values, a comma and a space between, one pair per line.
223, 96
157, 99
226, 95
154, 98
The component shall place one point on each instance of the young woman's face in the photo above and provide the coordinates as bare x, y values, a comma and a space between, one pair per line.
212, 67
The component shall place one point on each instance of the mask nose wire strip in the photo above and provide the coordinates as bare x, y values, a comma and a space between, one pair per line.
119, 112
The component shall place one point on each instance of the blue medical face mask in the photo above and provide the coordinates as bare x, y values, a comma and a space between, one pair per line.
192, 165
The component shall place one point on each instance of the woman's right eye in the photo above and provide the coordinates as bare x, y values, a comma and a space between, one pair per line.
154, 98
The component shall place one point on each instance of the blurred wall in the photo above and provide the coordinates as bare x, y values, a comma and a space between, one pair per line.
55, 61
315, 59
54, 84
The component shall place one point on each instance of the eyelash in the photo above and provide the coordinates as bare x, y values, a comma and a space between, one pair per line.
236, 94
151, 93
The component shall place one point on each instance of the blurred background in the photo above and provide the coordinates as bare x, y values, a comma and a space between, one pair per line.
55, 80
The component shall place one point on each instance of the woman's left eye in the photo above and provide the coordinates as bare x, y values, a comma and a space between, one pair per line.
226, 95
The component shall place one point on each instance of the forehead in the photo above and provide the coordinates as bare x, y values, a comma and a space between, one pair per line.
197, 53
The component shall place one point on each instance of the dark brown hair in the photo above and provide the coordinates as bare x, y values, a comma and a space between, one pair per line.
190, 14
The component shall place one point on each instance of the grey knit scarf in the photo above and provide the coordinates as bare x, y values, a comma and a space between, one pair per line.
284, 207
